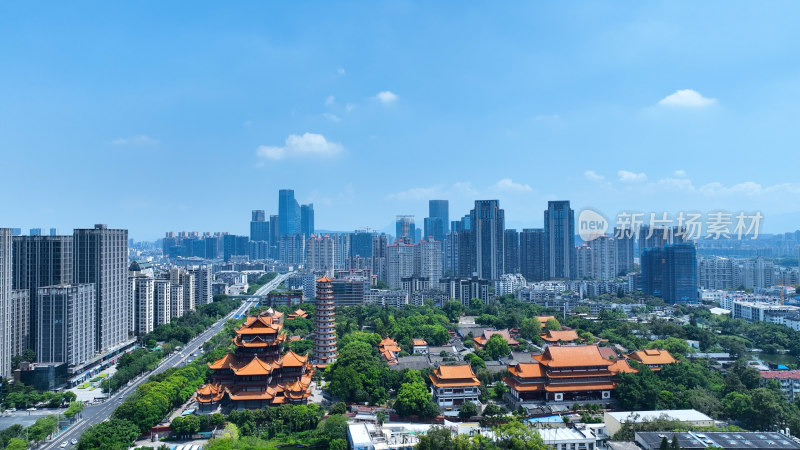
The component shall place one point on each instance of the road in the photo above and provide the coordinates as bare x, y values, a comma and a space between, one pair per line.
97, 413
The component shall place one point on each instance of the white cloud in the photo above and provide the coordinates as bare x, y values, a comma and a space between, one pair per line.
386, 97
680, 173
631, 177
309, 144
247, 123
688, 98
330, 100
332, 117
506, 184
593, 176
135, 140
340, 71
349, 107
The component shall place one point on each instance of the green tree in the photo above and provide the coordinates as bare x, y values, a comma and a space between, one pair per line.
337, 444
412, 398
518, 436
339, 408
334, 427
112, 434
496, 347
530, 328
552, 324
467, 411
16, 444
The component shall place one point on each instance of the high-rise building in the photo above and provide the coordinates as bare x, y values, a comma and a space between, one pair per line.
288, 213
430, 261
234, 246
203, 277
559, 227
652, 237
349, 290
400, 263
35, 231
325, 323
488, 231
40, 261
5, 302
379, 265
100, 256
292, 249
320, 254
259, 227
680, 276
162, 302
175, 301
144, 302
511, 251
307, 219
450, 262
625, 251
20, 313
670, 272
437, 224
274, 237
66, 320
604, 258
341, 249
185, 279
405, 230
533, 263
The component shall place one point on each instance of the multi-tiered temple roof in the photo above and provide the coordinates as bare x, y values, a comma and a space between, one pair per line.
257, 373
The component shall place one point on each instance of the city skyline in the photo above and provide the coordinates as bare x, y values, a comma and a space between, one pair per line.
645, 107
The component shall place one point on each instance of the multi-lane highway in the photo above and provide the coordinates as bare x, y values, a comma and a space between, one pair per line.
97, 413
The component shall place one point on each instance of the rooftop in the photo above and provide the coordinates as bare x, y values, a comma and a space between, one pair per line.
683, 415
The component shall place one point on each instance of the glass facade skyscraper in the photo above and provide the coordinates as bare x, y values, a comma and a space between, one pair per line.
559, 226
288, 213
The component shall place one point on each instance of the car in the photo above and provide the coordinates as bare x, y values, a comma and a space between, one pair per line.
31, 409
64, 444
12, 409
74, 442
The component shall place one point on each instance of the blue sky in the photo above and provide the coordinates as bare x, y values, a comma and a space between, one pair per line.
159, 116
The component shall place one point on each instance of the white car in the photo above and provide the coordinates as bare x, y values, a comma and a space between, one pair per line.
64, 444
74, 442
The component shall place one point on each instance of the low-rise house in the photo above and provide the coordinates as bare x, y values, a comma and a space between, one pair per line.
454, 385
297, 314
563, 438
389, 350
420, 346
480, 341
653, 358
789, 380
688, 417
740, 440
553, 336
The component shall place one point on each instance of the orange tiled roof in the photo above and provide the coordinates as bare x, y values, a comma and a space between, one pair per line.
561, 335
543, 319
419, 342
652, 356
324, 279
223, 363
622, 366
607, 352
527, 370
390, 345
292, 359
573, 356
450, 376
255, 367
